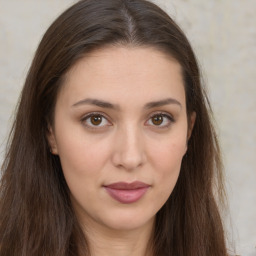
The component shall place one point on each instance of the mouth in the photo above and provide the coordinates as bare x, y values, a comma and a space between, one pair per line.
127, 193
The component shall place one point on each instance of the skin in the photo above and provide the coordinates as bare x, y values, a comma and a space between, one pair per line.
128, 142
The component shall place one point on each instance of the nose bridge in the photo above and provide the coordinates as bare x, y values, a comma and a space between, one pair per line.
129, 150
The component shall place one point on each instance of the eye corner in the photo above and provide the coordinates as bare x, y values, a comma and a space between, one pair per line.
162, 120
100, 121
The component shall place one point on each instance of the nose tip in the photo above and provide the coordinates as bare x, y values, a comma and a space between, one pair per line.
128, 161
129, 152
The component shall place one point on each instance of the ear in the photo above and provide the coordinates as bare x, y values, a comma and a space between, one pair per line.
191, 123
52, 140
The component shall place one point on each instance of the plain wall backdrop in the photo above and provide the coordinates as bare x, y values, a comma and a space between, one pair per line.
223, 34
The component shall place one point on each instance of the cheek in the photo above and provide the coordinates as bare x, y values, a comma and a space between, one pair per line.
81, 156
82, 165
167, 161
169, 152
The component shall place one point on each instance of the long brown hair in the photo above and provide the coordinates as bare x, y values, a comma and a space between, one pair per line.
36, 215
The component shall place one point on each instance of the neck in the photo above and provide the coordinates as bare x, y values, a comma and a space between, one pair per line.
105, 242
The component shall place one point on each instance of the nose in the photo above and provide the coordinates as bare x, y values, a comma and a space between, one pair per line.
129, 152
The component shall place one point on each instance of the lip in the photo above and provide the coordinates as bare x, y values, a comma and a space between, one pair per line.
127, 193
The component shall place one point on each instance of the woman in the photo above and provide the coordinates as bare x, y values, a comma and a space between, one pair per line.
112, 151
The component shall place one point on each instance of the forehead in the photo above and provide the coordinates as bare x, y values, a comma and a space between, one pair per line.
119, 71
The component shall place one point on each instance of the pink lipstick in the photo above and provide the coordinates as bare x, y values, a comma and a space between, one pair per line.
127, 193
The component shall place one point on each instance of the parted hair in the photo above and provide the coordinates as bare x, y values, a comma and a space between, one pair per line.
36, 214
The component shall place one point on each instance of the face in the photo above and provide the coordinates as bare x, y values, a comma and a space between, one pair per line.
121, 130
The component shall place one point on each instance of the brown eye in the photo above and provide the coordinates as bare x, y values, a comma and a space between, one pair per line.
157, 119
160, 120
96, 120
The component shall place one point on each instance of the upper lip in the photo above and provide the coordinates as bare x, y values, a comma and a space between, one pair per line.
127, 186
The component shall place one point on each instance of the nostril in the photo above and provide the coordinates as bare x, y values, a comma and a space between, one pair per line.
128, 147
129, 157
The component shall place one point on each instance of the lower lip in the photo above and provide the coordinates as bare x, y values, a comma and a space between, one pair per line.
126, 196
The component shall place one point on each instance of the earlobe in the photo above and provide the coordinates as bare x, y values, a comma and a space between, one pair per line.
52, 141
191, 123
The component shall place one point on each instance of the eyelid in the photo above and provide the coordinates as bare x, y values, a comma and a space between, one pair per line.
164, 114
95, 113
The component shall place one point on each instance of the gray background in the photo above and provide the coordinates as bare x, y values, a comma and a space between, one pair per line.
223, 34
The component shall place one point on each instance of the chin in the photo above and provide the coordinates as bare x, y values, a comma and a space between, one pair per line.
125, 221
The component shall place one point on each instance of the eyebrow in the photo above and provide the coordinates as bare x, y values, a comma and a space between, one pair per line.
96, 102
163, 102
105, 104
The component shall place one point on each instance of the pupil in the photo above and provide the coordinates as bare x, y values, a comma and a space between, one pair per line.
157, 120
96, 120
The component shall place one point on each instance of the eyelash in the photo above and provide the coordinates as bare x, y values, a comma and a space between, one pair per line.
94, 127
164, 115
